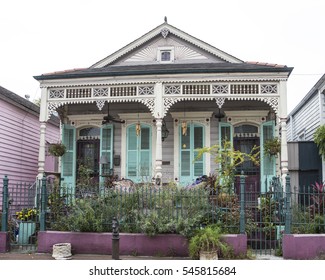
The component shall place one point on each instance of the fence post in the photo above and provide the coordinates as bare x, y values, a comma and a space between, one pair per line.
5, 203
43, 205
288, 206
115, 240
242, 204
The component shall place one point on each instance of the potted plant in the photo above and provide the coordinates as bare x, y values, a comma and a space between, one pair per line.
206, 244
57, 149
272, 147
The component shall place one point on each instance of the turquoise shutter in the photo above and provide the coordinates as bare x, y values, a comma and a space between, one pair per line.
190, 168
139, 164
268, 170
106, 146
68, 164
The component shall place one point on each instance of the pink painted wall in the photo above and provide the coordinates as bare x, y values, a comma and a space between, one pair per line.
19, 141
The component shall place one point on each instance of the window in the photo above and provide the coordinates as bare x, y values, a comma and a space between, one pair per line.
165, 55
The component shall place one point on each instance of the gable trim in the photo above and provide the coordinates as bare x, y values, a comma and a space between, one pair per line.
165, 29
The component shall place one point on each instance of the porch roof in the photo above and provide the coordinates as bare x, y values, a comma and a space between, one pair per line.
170, 68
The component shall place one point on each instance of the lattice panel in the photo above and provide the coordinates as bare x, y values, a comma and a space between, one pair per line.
56, 93
220, 89
146, 90
99, 92
173, 89
269, 89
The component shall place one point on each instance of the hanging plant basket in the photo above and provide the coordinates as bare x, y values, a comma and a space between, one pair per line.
57, 149
272, 147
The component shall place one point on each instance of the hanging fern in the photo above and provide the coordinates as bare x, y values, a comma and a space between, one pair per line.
319, 139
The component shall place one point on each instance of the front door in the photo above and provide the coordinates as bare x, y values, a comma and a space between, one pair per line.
251, 171
88, 162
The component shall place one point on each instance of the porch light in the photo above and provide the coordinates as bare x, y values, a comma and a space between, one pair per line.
219, 115
164, 131
184, 128
138, 128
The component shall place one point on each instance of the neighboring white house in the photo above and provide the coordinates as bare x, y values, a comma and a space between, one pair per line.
119, 110
305, 164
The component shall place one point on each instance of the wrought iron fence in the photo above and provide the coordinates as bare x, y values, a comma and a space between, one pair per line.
167, 209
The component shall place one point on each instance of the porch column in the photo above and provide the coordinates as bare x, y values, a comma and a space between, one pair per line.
41, 152
158, 114
283, 129
42, 142
158, 164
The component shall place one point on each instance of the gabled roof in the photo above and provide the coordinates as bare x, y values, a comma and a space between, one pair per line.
165, 27
215, 60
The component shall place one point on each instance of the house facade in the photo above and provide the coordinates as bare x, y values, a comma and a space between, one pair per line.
19, 148
145, 109
305, 164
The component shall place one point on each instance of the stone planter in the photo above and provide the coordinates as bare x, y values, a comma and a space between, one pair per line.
62, 251
26, 229
209, 255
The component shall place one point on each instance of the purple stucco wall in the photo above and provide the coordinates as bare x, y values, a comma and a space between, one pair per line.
4, 242
303, 246
140, 244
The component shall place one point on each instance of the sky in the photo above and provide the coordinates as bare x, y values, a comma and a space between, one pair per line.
42, 36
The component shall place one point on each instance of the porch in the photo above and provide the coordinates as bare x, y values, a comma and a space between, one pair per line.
150, 131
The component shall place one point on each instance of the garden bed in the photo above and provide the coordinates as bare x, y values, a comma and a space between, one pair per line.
130, 243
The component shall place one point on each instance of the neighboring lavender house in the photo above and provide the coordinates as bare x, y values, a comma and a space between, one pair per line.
20, 138
305, 163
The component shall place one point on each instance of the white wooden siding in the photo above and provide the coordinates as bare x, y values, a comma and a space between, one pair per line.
305, 121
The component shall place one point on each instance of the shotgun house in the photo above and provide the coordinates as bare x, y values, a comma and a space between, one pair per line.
145, 109
306, 166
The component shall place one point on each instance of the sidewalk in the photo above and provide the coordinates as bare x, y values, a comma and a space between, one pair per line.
41, 256
44, 256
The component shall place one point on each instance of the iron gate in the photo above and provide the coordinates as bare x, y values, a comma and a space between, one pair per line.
266, 216
21, 204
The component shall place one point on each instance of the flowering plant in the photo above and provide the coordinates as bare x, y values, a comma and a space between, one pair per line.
27, 214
